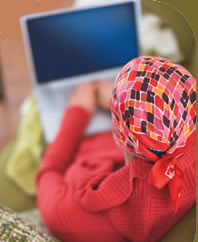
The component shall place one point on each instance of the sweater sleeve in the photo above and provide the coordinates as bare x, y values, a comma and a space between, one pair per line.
61, 151
59, 155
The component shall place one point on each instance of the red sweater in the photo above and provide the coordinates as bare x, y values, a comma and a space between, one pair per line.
87, 194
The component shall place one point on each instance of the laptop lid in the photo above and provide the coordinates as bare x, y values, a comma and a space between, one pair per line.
81, 43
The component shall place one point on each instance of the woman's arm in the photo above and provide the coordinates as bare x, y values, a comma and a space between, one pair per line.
51, 187
61, 151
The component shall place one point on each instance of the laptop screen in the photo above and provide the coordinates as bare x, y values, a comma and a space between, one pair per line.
81, 42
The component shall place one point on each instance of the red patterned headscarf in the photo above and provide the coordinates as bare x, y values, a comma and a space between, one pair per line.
154, 116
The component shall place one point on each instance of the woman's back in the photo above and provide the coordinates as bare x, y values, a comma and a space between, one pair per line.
97, 202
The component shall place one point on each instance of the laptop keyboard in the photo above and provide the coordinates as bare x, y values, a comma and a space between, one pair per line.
54, 96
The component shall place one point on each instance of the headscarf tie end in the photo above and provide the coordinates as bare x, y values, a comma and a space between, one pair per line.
166, 172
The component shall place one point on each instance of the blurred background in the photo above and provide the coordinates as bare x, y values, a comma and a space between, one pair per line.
164, 32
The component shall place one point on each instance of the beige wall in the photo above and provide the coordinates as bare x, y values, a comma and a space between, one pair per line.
11, 45
10, 11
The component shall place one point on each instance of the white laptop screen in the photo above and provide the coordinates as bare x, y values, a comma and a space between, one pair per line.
80, 42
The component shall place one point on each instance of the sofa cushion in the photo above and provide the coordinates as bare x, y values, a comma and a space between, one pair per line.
11, 195
14, 228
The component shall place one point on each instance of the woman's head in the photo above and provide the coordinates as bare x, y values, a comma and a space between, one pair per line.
153, 107
154, 116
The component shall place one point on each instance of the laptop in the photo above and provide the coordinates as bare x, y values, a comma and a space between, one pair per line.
67, 47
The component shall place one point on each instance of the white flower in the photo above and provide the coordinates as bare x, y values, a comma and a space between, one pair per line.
156, 39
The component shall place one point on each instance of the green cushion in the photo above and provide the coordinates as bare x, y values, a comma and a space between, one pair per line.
11, 195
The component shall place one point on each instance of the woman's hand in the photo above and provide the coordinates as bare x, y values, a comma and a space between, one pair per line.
104, 92
85, 96
91, 95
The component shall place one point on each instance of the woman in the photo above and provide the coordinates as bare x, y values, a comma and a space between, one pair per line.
90, 190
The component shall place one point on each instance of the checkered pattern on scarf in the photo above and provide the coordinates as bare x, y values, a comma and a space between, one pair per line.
153, 106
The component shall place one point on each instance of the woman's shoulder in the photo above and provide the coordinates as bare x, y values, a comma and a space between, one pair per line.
188, 158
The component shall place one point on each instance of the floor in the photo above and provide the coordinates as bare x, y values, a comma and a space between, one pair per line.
16, 84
